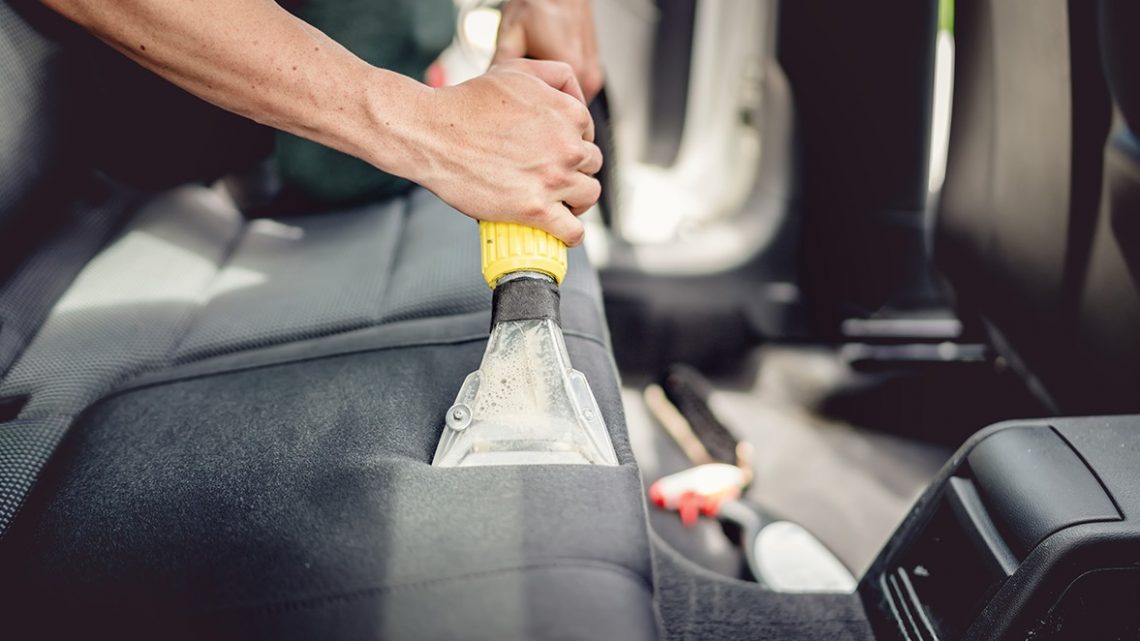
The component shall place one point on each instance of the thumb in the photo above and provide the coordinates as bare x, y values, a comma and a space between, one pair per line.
511, 43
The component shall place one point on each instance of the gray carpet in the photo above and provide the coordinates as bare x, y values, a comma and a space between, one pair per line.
697, 605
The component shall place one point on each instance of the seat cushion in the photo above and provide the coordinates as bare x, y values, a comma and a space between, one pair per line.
257, 407
190, 279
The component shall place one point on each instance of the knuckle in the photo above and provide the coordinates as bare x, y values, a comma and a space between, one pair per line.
575, 235
575, 155
594, 155
553, 177
595, 191
582, 116
575, 62
562, 67
566, 108
504, 65
534, 212
592, 80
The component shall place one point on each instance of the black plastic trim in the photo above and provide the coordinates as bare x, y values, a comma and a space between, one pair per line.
1034, 484
964, 501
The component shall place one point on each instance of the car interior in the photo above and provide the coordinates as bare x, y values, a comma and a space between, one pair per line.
887, 253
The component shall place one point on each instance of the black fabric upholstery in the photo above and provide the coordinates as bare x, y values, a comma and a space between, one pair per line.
31, 104
26, 297
189, 279
34, 283
541, 602
23, 444
53, 219
306, 486
697, 605
342, 260
129, 306
262, 470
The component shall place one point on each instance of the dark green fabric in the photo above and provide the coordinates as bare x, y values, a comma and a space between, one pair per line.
405, 36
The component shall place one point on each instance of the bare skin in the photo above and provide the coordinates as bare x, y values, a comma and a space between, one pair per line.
515, 144
553, 30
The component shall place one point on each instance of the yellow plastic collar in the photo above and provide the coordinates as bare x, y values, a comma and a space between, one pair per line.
510, 247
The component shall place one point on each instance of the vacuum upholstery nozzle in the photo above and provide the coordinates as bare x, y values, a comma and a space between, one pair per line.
525, 404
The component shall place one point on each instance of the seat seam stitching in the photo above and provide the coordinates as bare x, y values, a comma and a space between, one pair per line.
204, 300
393, 261
307, 359
560, 562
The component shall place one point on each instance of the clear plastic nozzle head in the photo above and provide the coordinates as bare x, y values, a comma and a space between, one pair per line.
524, 405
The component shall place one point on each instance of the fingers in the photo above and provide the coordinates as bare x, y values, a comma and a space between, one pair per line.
568, 35
558, 75
592, 80
582, 193
559, 222
590, 74
511, 42
581, 118
587, 119
592, 163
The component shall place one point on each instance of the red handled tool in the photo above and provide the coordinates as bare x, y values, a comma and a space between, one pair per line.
699, 490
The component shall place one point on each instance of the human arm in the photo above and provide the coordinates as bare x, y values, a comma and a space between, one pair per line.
513, 144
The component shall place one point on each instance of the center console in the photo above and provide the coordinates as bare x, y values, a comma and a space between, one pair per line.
1031, 532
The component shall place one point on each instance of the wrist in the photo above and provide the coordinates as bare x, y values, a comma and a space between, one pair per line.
393, 129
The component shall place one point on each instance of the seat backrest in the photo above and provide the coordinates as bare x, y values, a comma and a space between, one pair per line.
54, 215
1109, 313
1024, 231
31, 117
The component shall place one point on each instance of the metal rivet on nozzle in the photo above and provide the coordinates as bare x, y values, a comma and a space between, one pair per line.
458, 417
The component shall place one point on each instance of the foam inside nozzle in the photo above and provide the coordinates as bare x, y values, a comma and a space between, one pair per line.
525, 404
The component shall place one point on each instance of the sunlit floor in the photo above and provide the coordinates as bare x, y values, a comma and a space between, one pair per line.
849, 486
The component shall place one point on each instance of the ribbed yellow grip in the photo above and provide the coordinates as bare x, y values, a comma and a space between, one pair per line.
510, 247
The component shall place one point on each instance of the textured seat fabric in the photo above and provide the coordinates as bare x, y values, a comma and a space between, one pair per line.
214, 427
223, 501
30, 101
247, 413
189, 279
40, 193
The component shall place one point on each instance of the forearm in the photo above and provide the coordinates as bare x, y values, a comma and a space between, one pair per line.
254, 58
514, 144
